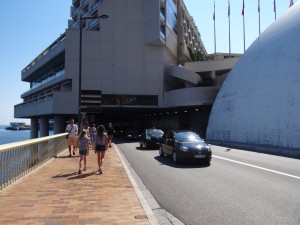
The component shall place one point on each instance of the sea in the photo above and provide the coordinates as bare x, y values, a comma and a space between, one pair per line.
10, 136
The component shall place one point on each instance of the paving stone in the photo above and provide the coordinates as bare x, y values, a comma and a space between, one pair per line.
54, 194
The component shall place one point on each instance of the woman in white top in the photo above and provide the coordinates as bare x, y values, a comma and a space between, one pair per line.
101, 144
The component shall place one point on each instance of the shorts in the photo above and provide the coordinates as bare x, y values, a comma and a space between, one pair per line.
110, 137
100, 148
83, 152
72, 141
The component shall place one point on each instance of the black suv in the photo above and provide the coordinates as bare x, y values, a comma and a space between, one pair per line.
151, 138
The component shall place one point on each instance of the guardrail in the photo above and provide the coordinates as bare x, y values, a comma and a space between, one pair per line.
19, 158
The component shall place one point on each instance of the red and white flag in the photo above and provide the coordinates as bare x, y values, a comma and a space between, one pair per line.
291, 3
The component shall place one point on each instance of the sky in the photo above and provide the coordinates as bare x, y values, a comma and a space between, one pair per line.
29, 27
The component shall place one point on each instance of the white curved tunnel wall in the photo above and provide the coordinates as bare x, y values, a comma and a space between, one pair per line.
259, 102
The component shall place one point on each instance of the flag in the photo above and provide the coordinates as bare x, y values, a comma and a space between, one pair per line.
214, 16
258, 9
291, 3
243, 13
274, 5
228, 8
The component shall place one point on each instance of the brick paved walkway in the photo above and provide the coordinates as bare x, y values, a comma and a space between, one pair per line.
55, 194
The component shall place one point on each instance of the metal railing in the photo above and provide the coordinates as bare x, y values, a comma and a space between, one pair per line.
19, 158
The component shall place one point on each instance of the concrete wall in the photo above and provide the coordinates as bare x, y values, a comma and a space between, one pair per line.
259, 102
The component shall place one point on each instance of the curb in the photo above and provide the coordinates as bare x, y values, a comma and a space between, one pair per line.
144, 203
155, 214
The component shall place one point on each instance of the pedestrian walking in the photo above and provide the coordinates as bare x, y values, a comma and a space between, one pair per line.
101, 144
87, 129
94, 132
110, 133
72, 130
83, 145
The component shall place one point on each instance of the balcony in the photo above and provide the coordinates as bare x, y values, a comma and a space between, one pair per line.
46, 81
52, 103
54, 50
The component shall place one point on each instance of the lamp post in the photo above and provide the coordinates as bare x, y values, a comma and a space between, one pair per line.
80, 60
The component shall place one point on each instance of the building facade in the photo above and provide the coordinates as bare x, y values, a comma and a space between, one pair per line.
132, 58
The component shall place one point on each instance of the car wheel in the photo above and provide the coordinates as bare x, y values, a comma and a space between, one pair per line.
175, 157
161, 152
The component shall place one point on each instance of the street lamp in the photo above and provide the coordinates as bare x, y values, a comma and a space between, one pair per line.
80, 60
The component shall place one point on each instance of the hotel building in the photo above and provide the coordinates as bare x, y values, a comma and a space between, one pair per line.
138, 59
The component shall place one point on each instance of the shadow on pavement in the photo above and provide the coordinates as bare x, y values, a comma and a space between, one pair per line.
83, 175
62, 175
66, 157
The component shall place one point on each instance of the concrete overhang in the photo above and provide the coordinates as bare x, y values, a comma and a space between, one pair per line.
185, 74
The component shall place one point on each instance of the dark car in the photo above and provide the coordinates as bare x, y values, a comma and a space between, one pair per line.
185, 145
132, 135
151, 138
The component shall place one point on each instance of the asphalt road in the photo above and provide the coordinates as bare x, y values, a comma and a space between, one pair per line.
237, 188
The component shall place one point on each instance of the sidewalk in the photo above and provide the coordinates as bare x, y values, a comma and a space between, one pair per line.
54, 194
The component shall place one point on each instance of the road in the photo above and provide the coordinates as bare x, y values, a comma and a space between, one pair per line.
238, 187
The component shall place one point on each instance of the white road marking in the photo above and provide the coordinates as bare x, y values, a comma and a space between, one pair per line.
258, 167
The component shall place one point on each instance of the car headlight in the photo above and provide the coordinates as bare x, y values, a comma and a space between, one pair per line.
183, 148
148, 138
208, 148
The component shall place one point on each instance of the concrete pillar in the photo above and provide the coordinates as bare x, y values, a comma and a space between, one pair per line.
34, 128
180, 34
44, 126
59, 124
213, 74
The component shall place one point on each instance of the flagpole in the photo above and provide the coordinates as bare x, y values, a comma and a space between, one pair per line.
244, 32
243, 14
275, 8
259, 15
229, 28
215, 31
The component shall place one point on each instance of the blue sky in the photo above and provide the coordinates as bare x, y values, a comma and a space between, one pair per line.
29, 27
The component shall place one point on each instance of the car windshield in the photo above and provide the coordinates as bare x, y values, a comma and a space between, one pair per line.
187, 137
155, 132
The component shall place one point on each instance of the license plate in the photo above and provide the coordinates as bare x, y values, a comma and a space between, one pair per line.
199, 156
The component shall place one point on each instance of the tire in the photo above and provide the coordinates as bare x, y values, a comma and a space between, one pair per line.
175, 157
161, 152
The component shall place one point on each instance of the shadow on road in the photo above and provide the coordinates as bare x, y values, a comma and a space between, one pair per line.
167, 160
148, 149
